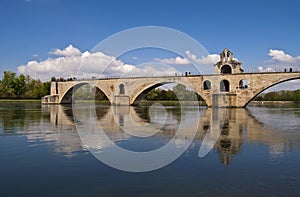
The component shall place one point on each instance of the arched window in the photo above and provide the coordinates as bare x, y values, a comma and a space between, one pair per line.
226, 69
122, 89
243, 84
206, 85
224, 86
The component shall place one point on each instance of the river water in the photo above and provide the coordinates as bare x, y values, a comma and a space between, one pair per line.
256, 153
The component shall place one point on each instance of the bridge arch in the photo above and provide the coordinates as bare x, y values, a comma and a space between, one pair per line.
66, 98
260, 90
140, 92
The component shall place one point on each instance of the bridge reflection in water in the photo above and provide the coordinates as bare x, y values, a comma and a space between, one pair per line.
239, 126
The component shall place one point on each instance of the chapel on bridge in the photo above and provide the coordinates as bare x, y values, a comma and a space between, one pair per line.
228, 65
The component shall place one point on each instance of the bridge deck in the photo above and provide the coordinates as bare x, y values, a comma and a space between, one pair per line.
179, 76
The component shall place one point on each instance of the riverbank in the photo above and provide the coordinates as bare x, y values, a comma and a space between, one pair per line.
166, 103
20, 100
149, 103
202, 103
172, 103
274, 103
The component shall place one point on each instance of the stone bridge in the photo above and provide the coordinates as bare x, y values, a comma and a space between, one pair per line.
228, 87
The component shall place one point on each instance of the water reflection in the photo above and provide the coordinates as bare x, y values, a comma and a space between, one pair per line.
17, 115
60, 131
239, 125
53, 124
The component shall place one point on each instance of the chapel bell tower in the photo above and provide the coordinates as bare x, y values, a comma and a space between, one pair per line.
227, 65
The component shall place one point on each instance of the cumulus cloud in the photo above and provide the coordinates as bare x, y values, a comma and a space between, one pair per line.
68, 51
279, 61
266, 69
177, 60
281, 56
71, 62
210, 59
204, 60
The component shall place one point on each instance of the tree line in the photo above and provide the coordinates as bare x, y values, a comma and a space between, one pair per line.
179, 92
22, 87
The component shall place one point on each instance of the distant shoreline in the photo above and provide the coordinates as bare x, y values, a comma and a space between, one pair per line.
20, 100
274, 103
171, 103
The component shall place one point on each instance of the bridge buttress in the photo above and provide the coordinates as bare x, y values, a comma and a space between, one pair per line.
121, 100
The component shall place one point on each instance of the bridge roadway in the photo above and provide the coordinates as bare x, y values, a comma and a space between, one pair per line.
220, 90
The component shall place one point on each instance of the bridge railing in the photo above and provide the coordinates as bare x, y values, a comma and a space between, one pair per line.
131, 76
272, 70
268, 70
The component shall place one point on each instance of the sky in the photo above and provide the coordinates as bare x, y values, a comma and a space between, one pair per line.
45, 38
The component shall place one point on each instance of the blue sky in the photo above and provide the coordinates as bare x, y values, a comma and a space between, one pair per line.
30, 29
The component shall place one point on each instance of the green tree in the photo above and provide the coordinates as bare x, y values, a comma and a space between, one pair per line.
180, 91
12, 86
19, 86
153, 95
8, 84
185, 94
46, 88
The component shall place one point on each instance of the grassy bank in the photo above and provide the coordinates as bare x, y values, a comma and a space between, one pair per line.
102, 102
147, 103
166, 103
274, 103
20, 100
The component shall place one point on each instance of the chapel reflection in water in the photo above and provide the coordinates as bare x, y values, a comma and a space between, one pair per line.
239, 126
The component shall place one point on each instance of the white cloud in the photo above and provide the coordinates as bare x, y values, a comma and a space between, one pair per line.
210, 59
71, 62
267, 69
68, 51
281, 56
204, 60
279, 61
177, 60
